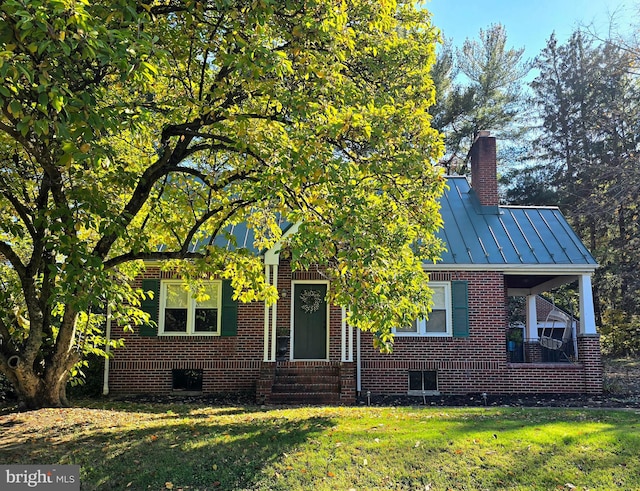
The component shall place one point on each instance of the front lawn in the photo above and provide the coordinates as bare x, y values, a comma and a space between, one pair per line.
193, 447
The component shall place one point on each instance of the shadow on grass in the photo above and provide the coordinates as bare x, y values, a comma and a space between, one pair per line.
205, 452
180, 404
204, 448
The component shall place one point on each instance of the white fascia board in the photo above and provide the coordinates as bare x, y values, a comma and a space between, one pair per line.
559, 269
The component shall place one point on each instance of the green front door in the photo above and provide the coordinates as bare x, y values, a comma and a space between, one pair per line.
309, 321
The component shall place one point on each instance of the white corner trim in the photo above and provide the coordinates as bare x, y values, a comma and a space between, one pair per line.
272, 255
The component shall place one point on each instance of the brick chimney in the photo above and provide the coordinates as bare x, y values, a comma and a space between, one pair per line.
484, 180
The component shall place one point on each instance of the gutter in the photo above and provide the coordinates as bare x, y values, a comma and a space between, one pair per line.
105, 378
358, 364
557, 269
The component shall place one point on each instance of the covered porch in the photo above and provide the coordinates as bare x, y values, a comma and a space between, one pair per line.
552, 339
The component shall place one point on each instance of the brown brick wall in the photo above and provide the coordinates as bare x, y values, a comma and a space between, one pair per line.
464, 365
478, 363
230, 364
590, 356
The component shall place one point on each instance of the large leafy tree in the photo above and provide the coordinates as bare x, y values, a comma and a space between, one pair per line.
132, 130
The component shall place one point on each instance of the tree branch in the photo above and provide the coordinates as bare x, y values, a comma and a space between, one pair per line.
139, 196
7, 251
184, 252
23, 213
150, 256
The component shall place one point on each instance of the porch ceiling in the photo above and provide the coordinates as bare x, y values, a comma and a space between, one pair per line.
528, 282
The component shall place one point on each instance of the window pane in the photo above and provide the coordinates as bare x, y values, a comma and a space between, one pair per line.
177, 297
412, 328
437, 321
211, 289
175, 320
439, 299
430, 380
206, 320
415, 380
423, 380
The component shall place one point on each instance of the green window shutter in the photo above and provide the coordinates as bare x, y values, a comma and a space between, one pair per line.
151, 306
229, 311
460, 305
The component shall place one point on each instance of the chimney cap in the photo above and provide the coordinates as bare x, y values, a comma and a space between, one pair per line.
484, 133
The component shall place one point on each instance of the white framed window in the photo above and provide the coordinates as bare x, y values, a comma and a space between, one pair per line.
440, 318
182, 315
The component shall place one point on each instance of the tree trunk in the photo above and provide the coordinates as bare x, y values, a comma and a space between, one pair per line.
45, 395
36, 390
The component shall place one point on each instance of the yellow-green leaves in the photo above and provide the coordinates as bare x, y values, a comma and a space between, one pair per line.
156, 132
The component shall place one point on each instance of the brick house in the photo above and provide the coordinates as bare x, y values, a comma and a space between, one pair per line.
301, 350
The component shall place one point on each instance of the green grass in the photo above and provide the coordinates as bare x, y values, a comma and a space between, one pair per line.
140, 447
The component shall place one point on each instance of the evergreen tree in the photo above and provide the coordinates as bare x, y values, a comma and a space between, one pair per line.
587, 100
478, 87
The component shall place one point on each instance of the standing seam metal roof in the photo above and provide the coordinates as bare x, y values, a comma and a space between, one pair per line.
474, 235
505, 235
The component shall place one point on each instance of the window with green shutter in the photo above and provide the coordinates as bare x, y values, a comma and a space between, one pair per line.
450, 314
150, 305
174, 312
460, 307
439, 321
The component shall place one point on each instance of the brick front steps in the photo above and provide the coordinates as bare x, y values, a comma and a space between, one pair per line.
314, 383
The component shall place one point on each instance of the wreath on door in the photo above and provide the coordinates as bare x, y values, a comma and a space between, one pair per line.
310, 300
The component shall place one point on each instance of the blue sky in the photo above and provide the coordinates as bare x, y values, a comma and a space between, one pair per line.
529, 23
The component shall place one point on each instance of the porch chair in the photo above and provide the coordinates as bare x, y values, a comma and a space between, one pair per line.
556, 319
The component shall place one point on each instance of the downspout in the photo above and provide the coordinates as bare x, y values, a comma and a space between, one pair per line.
343, 338
105, 378
358, 365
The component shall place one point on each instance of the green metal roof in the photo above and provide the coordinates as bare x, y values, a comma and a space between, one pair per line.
506, 235
482, 237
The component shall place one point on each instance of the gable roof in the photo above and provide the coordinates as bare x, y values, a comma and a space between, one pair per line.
506, 237
238, 236
517, 239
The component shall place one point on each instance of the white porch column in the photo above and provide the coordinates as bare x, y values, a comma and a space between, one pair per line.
350, 351
267, 274
347, 338
343, 336
587, 313
274, 316
532, 318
